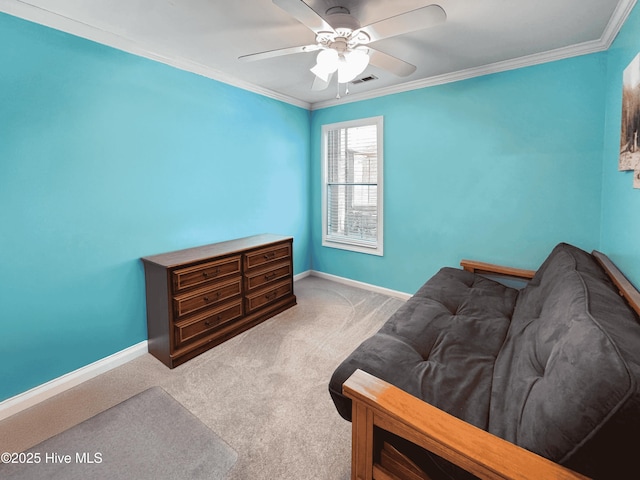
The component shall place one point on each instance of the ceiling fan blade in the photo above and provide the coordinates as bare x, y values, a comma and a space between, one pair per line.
320, 84
305, 15
279, 52
418, 19
390, 63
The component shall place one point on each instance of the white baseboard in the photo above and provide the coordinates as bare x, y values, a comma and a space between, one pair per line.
38, 394
22, 401
365, 286
302, 275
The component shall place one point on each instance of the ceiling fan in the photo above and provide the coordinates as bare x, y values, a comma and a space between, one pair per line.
343, 45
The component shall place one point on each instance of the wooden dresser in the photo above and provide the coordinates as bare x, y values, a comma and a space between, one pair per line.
199, 297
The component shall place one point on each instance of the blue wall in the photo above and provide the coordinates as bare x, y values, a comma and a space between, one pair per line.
497, 168
106, 157
620, 201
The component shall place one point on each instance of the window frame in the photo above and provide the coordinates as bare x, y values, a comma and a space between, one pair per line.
346, 243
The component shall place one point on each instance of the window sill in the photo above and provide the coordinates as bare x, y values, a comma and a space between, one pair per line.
353, 247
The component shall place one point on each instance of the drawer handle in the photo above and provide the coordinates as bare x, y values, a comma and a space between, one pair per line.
270, 255
209, 323
271, 295
269, 276
208, 299
214, 273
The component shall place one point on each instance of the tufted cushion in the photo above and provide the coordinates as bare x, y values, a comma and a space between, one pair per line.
554, 368
439, 346
565, 382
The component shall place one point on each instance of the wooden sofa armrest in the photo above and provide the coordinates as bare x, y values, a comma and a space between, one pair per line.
625, 287
489, 268
380, 404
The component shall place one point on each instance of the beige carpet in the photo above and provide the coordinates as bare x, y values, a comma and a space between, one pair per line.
149, 436
264, 392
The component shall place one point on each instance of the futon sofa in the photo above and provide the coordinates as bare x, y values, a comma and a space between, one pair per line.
472, 375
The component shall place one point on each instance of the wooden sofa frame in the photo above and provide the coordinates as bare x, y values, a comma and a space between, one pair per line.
379, 405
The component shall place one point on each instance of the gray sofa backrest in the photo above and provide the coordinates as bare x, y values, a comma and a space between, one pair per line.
565, 383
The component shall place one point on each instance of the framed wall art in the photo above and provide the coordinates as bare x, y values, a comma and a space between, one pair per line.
630, 128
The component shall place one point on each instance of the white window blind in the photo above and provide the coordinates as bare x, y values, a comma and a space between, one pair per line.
352, 185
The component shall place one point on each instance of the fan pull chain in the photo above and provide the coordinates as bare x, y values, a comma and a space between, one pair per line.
346, 91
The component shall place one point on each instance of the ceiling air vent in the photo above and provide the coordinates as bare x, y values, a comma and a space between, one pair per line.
368, 78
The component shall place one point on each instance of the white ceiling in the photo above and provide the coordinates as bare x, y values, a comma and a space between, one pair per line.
208, 36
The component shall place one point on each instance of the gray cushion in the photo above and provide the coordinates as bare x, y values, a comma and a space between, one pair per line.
569, 366
554, 368
439, 346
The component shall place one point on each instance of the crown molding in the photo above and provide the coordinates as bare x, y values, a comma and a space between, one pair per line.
610, 33
41, 16
616, 22
513, 64
59, 22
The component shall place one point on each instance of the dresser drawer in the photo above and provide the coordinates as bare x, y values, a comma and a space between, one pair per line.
207, 322
274, 253
205, 273
268, 295
205, 297
257, 279
198, 297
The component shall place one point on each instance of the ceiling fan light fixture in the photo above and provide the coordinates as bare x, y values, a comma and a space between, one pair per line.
326, 63
351, 64
343, 42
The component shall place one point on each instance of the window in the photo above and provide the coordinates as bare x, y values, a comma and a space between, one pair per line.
352, 185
